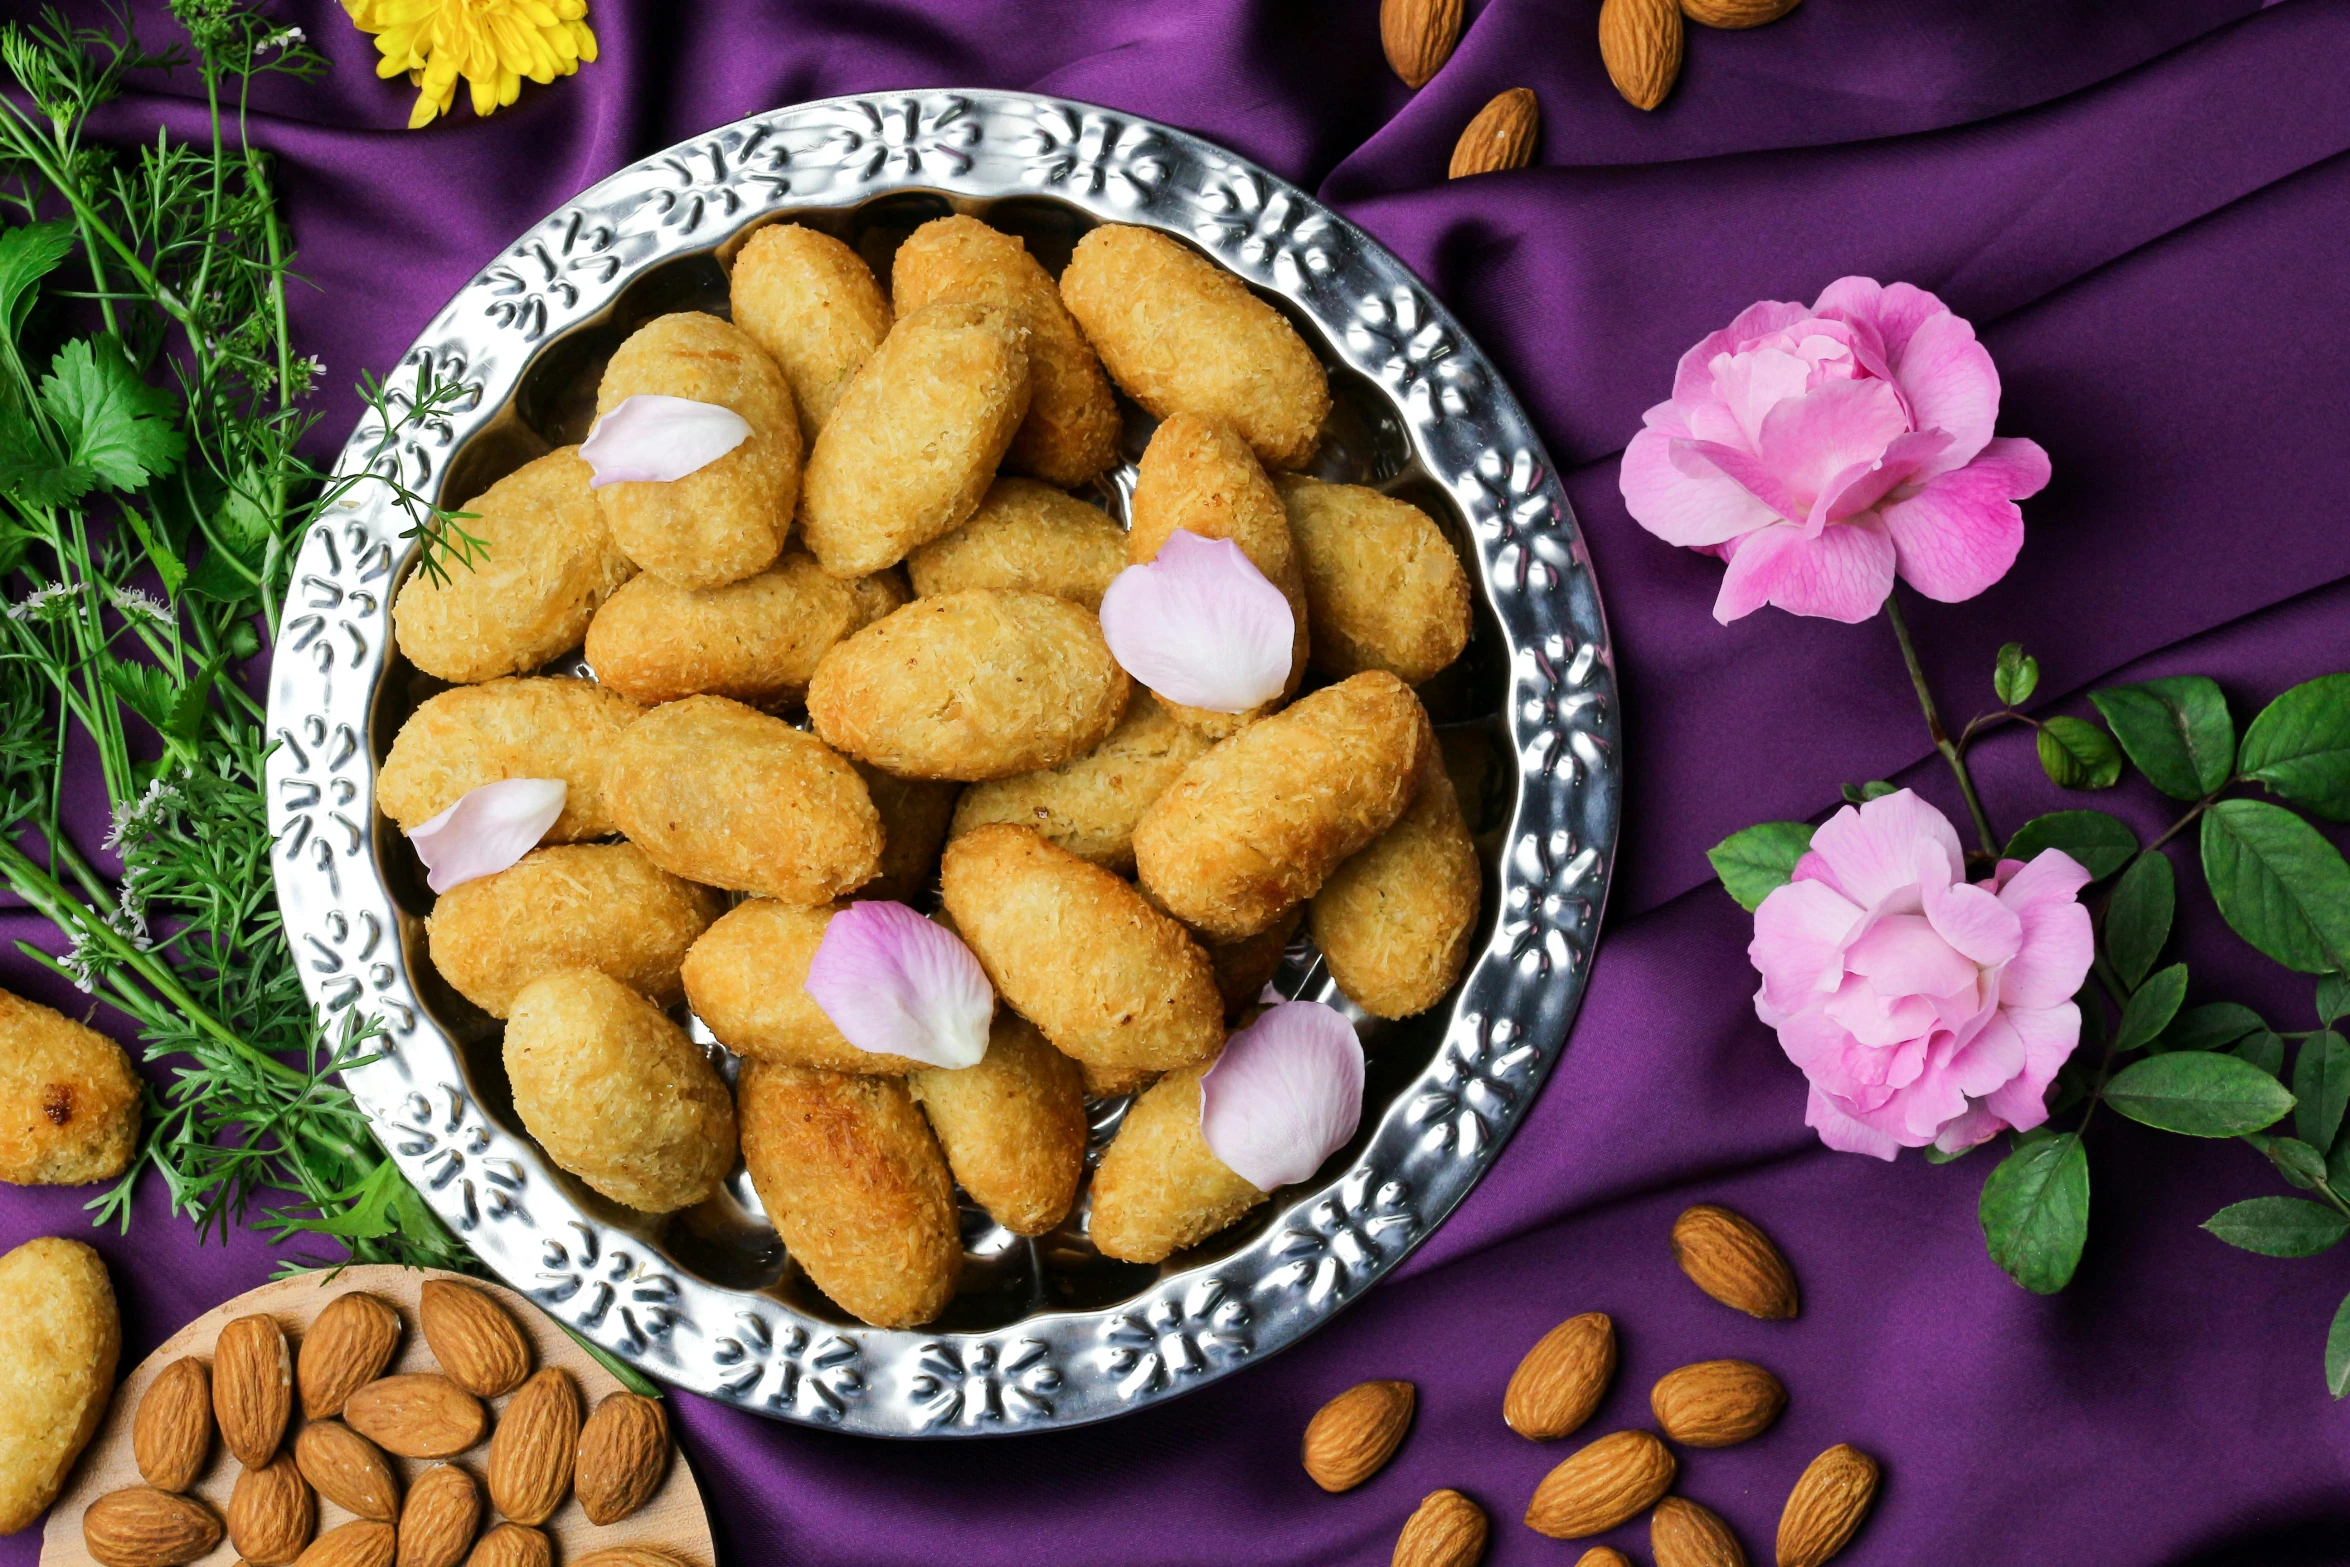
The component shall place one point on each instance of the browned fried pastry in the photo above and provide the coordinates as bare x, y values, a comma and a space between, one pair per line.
1160, 1187
616, 1093
550, 562
746, 979
1013, 1126
1182, 335
60, 1334
1384, 589
1071, 431
1081, 954
1113, 1082
603, 906
69, 1099
914, 817
537, 728
855, 1184
720, 794
1026, 535
1089, 805
726, 520
1262, 820
1197, 475
1394, 920
812, 304
916, 436
1245, 967
984, 683
756, 641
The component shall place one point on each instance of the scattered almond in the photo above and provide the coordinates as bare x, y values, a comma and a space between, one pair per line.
1640, 42
537, 1442
477, 1342
271, 1513
252, 1388
1735, 1263
623, 1452
1447, 1530
1562, 1379
1717, 1403
438, 1520
1613, 1479
416, 1415
1827, 1506
1736, 13
512, 1545
1500, 138
1419, 36
348, 1470
1350, 1437
143, 1526
1683, 1534
173, 1429
346, 1348
1603, 1556
360, 1543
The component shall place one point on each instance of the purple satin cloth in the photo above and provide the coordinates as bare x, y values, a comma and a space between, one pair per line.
2141, 205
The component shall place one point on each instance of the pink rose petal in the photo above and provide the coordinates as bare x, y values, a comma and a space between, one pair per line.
1200, 625
488, 829
654, 439
1285, 1095
895, 983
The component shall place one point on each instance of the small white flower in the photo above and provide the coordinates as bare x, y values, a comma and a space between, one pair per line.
141, 816
135, 605
35, 605
81, 961
284, 38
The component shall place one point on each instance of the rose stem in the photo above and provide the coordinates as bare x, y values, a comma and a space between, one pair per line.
1941, 736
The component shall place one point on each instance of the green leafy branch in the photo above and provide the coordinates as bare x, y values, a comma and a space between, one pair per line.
2217, 1070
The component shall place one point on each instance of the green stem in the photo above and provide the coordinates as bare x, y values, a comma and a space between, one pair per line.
1941, 737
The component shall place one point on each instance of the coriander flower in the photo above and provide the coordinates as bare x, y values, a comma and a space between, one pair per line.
132, 604
35, 606
135, 819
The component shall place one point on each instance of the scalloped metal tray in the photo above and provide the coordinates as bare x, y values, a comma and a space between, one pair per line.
1044, 1333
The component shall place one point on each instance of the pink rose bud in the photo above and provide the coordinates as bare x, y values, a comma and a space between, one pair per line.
1200, 625
1821, 452
1285, 1095
488, 829
651, 438
1923, 1009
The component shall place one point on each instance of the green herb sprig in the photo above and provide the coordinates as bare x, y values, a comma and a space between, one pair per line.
152, 491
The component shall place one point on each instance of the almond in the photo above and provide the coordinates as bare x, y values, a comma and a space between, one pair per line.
1562, 1379
1500, 138
478, 1344
1736, 13
271, 1513
439, 1518
1640, 42
416, 1415
1603, 1556
173, 1429
1735, 1263
252, 1388
1448, 1530
1419, 36
1717, 1403
346, 1348
1356, 1432
629, 1556
1828, 1504
512, 1545
534, 1449
1683, 1534
348, 1470
623, 1452
141, 1526
360, 1543
1613, 1479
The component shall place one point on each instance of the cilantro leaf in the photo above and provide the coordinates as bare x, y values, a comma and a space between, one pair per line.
28, 253
119, 427
29, 471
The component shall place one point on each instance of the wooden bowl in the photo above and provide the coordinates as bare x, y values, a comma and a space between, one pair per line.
673, 1521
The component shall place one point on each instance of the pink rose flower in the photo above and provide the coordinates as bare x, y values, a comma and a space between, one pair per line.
1922, 1008
1821, 451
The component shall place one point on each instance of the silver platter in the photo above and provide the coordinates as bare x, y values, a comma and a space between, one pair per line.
1045, 1333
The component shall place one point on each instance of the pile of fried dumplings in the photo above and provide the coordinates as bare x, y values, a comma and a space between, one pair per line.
859, 657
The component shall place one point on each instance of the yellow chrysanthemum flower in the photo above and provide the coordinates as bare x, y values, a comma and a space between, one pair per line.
493, 44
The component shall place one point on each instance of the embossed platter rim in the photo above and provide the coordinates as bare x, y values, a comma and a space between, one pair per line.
1322, 1244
